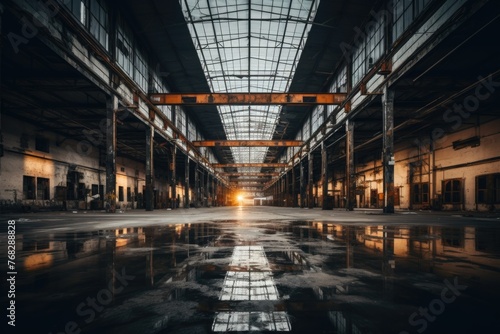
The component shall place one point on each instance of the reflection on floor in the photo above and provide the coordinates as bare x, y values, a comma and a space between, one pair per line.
250, 278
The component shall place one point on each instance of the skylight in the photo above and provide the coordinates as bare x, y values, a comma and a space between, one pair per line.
249, 47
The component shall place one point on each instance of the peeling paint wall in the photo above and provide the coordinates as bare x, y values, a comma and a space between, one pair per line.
21, 158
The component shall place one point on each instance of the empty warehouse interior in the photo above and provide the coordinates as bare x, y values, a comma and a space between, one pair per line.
196, 166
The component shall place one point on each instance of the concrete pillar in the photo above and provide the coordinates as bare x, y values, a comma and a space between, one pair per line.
148, 196
388, 149
310, 181
186, 184
111, 107
302, 185
173, 181
324, 175
350, 171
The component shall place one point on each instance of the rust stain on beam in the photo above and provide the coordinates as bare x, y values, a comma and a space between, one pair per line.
248, 143
259, 180
248, 98
250, 174
261, 165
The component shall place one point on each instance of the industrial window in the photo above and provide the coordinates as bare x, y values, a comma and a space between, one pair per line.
124, 54
420, 193
191, 131
42, 189
95, 189
120, 194
98, 24
358, 63
78, 8
306, 132
180, 117
368, 51
317, 118
375, 42
452, 191
405, 12
340, 83
29, 190
129, 195
42, 144
141, 70
488, 189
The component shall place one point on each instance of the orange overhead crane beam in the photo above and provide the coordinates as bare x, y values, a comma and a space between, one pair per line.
256, 182
250, 174
247, 98
261, 165
248, 143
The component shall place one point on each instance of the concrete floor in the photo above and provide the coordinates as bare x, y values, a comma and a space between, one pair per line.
258, 269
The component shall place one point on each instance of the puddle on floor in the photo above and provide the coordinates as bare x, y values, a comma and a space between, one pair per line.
264, 276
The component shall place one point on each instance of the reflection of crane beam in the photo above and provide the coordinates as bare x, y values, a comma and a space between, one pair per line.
248, 98
244, 164
247, 143
248, 180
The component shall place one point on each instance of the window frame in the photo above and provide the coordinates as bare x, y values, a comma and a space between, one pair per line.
449, 195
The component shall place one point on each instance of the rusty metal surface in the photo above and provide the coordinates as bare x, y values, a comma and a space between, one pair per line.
256, 165
248, 143
248, 98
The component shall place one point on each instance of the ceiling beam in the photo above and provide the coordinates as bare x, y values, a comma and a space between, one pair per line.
248, 98
248, 143
250, 174
256, 181
260, 165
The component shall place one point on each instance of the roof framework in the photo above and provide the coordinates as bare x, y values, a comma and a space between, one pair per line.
252, 47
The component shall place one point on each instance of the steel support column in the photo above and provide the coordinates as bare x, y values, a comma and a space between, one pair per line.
324, 175
111, 108
388, 149
148, 196
287, 189
186, 183
350, 170
173, 181
282, 191
310, 181
213, 192
302, 186
203, 189
294, 195
197, 186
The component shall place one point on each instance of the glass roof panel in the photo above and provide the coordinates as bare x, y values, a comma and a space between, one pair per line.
251, 47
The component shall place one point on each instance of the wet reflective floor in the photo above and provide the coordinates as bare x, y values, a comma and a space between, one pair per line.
279, 275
